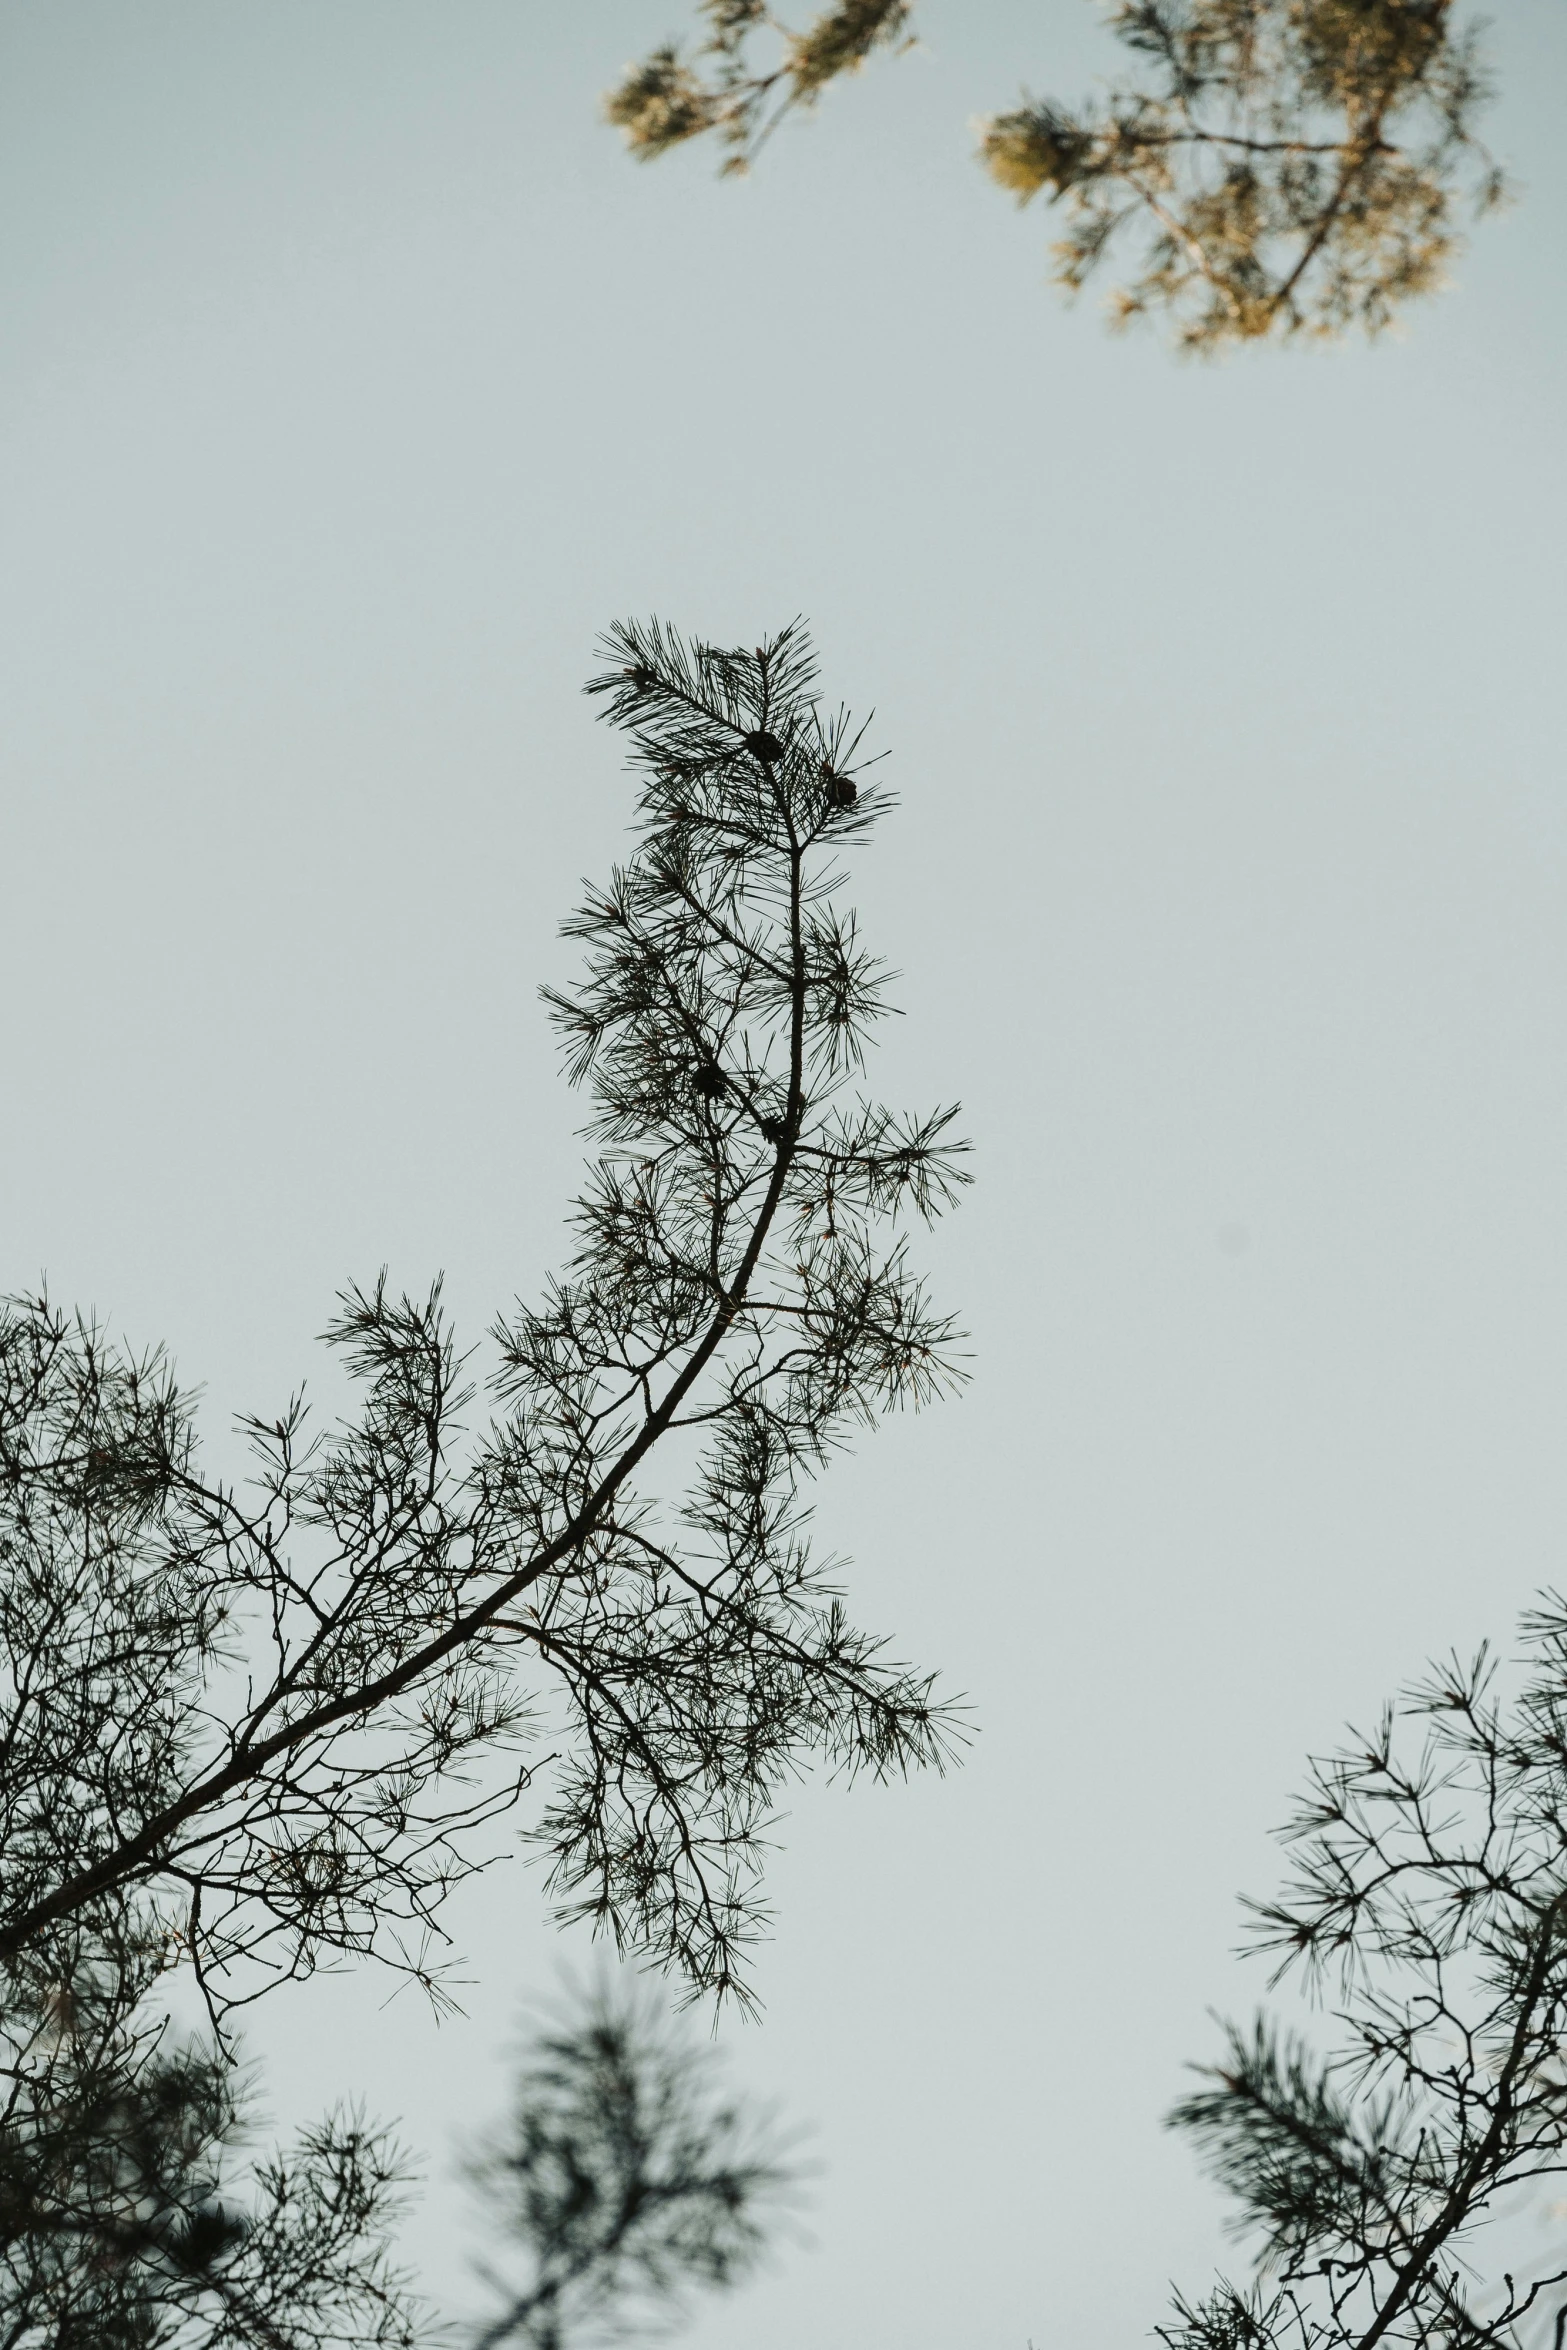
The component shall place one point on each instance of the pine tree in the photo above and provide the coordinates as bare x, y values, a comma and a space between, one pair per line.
1391, 2175
250, 1728
1272, 168
625, 2179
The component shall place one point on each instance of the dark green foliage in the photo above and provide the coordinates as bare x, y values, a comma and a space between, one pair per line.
118, 2229
281, 1713
128, 2221
248, 1730
1390, 2185
1272, 168
729, 1282
625, 2181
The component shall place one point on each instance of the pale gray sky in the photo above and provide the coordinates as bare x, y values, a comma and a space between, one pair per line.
352, 381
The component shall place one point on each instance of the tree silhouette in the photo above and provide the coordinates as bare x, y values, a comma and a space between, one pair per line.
1391, 2183
250, 1728
624, 2180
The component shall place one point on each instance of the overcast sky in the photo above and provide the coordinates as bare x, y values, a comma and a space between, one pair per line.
353, 380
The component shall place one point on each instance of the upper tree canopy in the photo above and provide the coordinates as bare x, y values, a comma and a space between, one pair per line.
1266, 168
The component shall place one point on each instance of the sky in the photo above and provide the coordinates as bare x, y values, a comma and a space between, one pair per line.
353, 380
